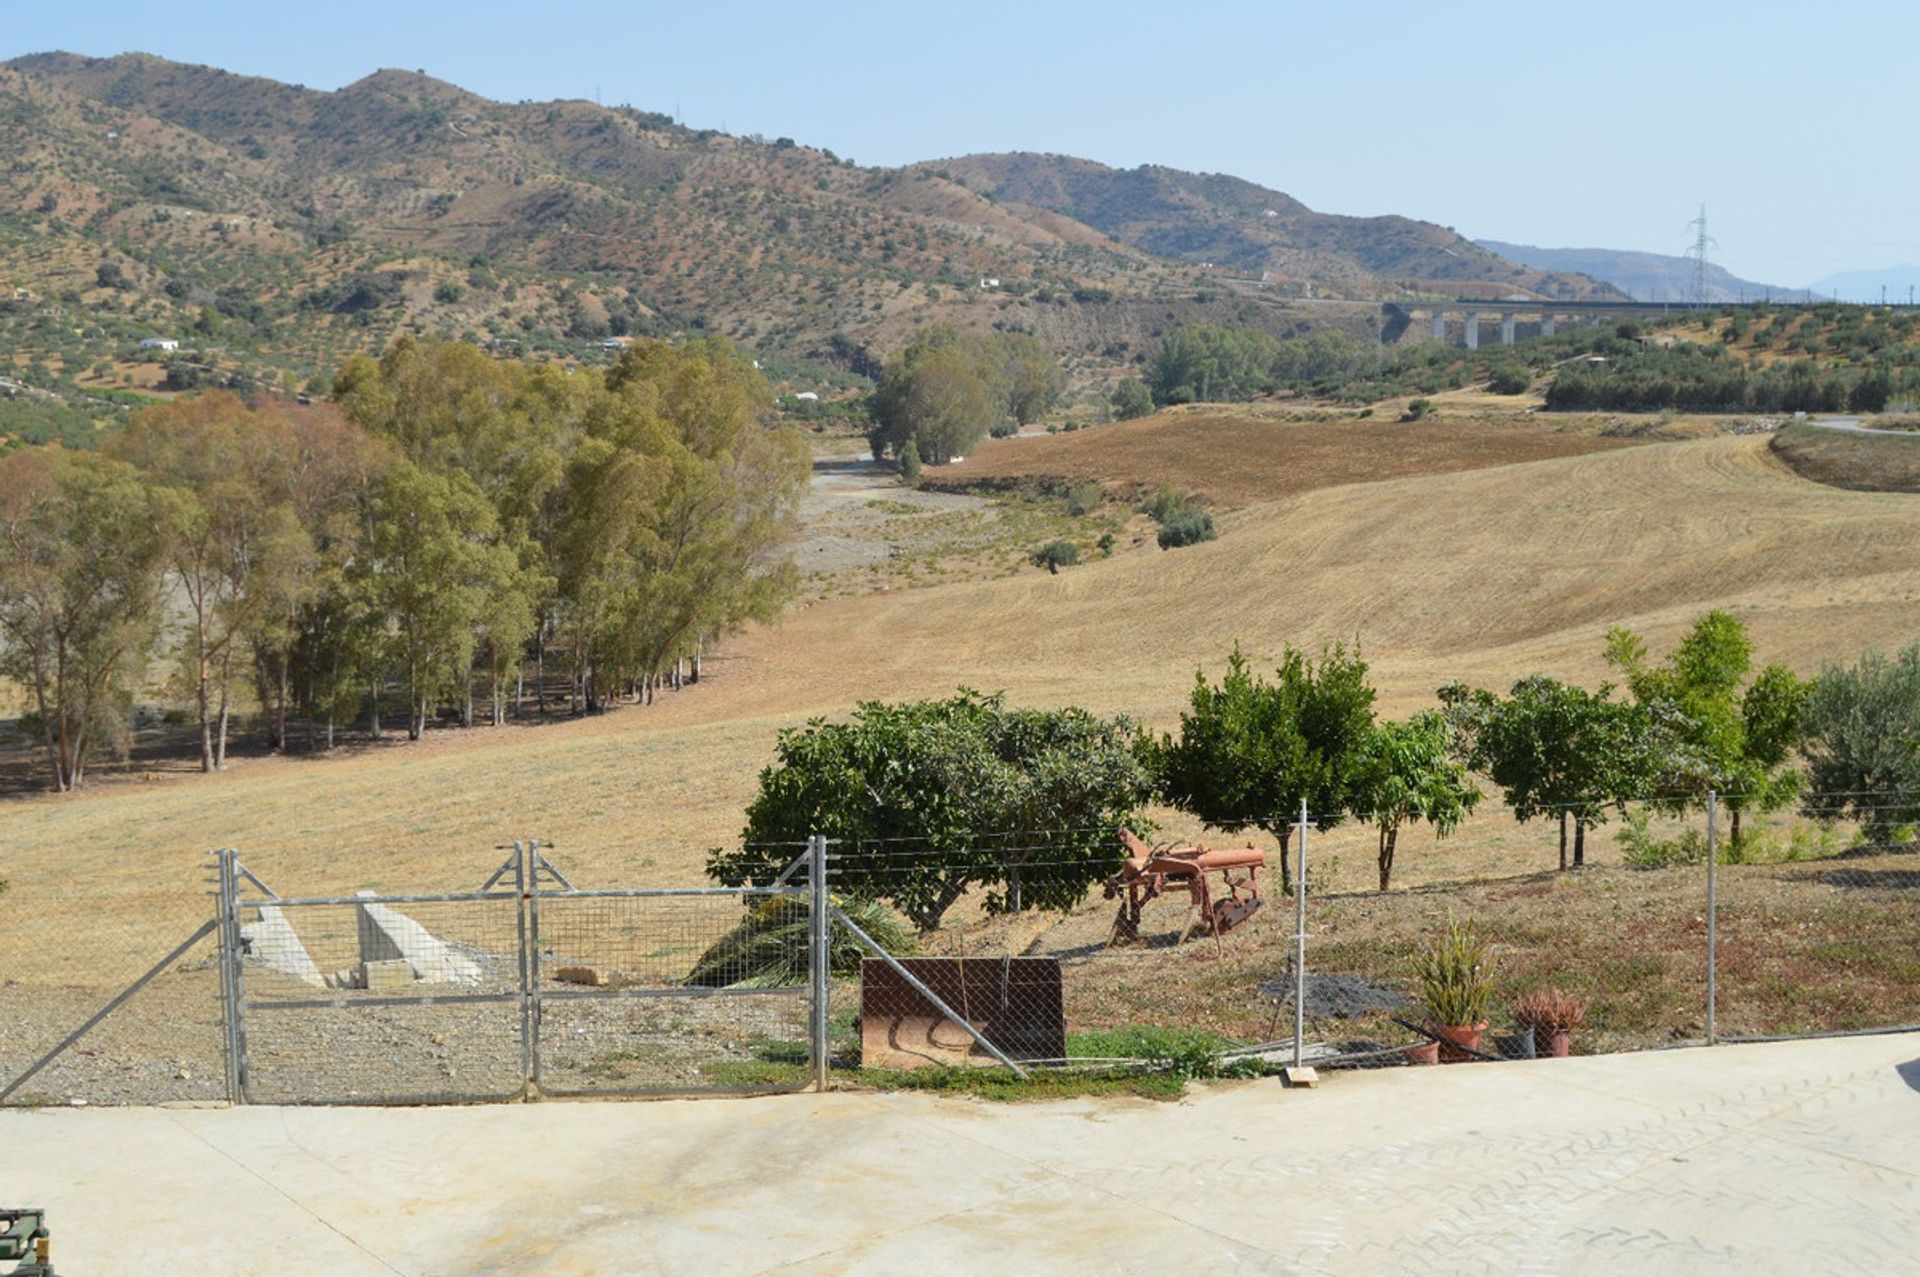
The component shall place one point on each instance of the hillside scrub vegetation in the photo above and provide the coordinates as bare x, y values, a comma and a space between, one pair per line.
450, 520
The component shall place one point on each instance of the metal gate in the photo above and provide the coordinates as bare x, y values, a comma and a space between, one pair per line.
528, 986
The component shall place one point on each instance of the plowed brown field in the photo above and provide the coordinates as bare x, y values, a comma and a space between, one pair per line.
1237, 460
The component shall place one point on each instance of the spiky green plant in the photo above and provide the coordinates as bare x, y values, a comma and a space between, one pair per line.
768, 950
1456, 976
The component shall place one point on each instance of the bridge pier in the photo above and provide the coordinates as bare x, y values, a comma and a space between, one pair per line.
1473, 330
1439, 325
1546, 324
1506, 328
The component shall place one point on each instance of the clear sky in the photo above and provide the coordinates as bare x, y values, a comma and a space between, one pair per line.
1544, 122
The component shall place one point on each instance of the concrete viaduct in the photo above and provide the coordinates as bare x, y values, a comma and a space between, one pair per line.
1458, 319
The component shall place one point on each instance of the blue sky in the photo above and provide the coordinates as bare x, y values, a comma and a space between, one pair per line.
1543, 122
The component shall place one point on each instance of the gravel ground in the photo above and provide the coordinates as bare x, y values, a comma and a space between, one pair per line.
165, 1044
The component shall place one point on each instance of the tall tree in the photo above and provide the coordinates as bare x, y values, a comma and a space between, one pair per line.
431, 564
1250, 752
81, 566
223, 481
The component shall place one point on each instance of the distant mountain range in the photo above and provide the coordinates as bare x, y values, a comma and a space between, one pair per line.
289, 225
1647, 277
1902, 283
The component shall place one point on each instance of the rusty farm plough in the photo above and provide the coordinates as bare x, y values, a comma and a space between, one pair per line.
1222, 886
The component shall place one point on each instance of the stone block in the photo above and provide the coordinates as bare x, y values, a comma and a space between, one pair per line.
386, 975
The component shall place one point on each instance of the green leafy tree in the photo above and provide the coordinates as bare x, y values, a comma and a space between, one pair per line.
1132, 398
948, 390
1561, 751
1251, 752
429, 570
1408, 773
1717, 736
929, 799
1863, 743
81, 567
1206, 363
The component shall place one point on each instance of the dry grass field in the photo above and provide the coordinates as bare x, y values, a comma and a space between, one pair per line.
1478, 573
1238, 459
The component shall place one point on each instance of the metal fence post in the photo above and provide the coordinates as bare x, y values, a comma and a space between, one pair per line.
821, 962
1300, 945
532, 952
1713, 911
526, 985
232, 990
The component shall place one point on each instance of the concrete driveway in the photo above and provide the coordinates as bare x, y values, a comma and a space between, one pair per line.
1801, 1157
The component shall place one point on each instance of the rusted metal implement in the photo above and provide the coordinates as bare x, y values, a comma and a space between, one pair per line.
1218, 907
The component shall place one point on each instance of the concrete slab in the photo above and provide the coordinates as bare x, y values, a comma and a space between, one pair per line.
271, 939
1786, 1157
386, 934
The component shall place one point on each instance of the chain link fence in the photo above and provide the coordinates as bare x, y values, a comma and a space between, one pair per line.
905, 962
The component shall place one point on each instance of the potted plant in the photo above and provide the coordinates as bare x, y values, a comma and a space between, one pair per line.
1553, 1014
1456, 982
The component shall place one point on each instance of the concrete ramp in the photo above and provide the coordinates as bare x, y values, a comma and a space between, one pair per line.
387, 934
271, 941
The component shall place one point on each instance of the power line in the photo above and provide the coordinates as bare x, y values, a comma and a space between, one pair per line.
1701, 242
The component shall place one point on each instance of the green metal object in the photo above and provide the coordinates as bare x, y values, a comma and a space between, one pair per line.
24, 1239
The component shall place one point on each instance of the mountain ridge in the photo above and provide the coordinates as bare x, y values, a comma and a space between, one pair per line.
291, 225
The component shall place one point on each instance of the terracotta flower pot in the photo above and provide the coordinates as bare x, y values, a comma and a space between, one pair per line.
1555, 1041
1457, 1036
1425, 1053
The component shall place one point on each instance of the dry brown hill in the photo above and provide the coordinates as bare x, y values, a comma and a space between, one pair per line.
1229, 222
328, 221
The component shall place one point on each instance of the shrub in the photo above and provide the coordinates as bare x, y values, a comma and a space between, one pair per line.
768, 950
1055, 555
1641, 850
910, 462
1418, 410
1085, 498
1510, 381
1105, 542
1165, 503
1189, 527
1131, 398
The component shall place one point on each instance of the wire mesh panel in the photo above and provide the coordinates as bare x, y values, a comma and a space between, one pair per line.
393, 998
647, 992
161, 1044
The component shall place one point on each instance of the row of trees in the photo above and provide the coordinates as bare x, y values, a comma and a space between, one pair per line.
445, 520
943, 394
931, 798
1211, 363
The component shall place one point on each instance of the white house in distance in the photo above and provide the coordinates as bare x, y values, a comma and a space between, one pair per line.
159, 343
808, 396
